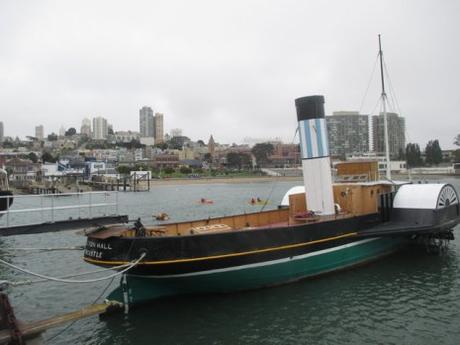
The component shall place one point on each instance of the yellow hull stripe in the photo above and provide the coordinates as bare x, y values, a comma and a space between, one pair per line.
350, 234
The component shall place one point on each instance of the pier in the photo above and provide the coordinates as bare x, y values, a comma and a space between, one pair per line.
138, 181
56, 212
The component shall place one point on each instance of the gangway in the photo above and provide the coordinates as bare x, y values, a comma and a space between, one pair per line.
32, 213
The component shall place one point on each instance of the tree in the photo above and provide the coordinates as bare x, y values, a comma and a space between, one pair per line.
433, 152
123, 169
245, 160
168, 170
262, 152
457, 140
457, 156
413, 155
401, 154
71, 131
185, 170
9, 171
162, 146
33, 157
208, 157
48, 157
233, 160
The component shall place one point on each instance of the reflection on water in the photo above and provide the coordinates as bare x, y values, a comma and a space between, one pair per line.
407, 298
410, 297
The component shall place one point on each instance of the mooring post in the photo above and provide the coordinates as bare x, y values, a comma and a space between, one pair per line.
41, 206
116, 203
52, 207
8, 321
7, 212
90, 213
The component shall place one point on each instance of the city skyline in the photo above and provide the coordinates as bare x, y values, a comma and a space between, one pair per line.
342, 127
235, 68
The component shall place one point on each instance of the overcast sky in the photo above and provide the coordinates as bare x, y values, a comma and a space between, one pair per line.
227, 68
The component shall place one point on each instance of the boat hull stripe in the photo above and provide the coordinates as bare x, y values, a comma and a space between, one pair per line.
213, 257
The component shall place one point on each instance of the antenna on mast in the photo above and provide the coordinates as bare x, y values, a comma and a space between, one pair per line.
385, 118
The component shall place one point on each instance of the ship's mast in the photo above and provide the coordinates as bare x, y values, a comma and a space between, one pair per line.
385, 119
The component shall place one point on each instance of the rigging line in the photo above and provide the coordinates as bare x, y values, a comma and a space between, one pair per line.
376, 105
392, 90
397, 107
369, 84
274, 183
134, 263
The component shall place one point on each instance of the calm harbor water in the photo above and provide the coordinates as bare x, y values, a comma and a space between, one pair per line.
408, 298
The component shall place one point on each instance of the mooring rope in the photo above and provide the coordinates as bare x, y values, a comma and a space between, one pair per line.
29, 282
62, 280
46, 249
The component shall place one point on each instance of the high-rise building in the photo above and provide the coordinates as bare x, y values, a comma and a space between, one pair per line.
39, 132
100, 128
85, 128
396, 134
159, 132
1, 132
348, 133
176, 132
62, 131
146, 122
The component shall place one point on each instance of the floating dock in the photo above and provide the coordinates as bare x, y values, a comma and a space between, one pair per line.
58, 212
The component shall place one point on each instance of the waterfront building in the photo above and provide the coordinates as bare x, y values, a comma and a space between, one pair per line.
39, 132
100, 128
285, 155
85, 128
146, 122
1, 132
396, 134
159, 131
348, 133
166, 160
22, 170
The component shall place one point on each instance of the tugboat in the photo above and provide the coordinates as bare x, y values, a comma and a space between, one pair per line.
319, 227
5, 201
328, 228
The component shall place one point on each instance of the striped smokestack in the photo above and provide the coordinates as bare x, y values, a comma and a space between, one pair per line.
314, 149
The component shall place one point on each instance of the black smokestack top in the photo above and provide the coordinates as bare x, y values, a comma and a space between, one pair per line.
310, 107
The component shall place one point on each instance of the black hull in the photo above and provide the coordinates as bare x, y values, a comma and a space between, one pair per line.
192, 253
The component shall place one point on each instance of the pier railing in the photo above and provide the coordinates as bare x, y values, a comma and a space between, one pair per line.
34, 209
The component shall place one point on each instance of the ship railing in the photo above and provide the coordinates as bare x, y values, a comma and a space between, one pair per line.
32, 209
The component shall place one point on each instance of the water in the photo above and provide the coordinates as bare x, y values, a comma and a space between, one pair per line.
407, 298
